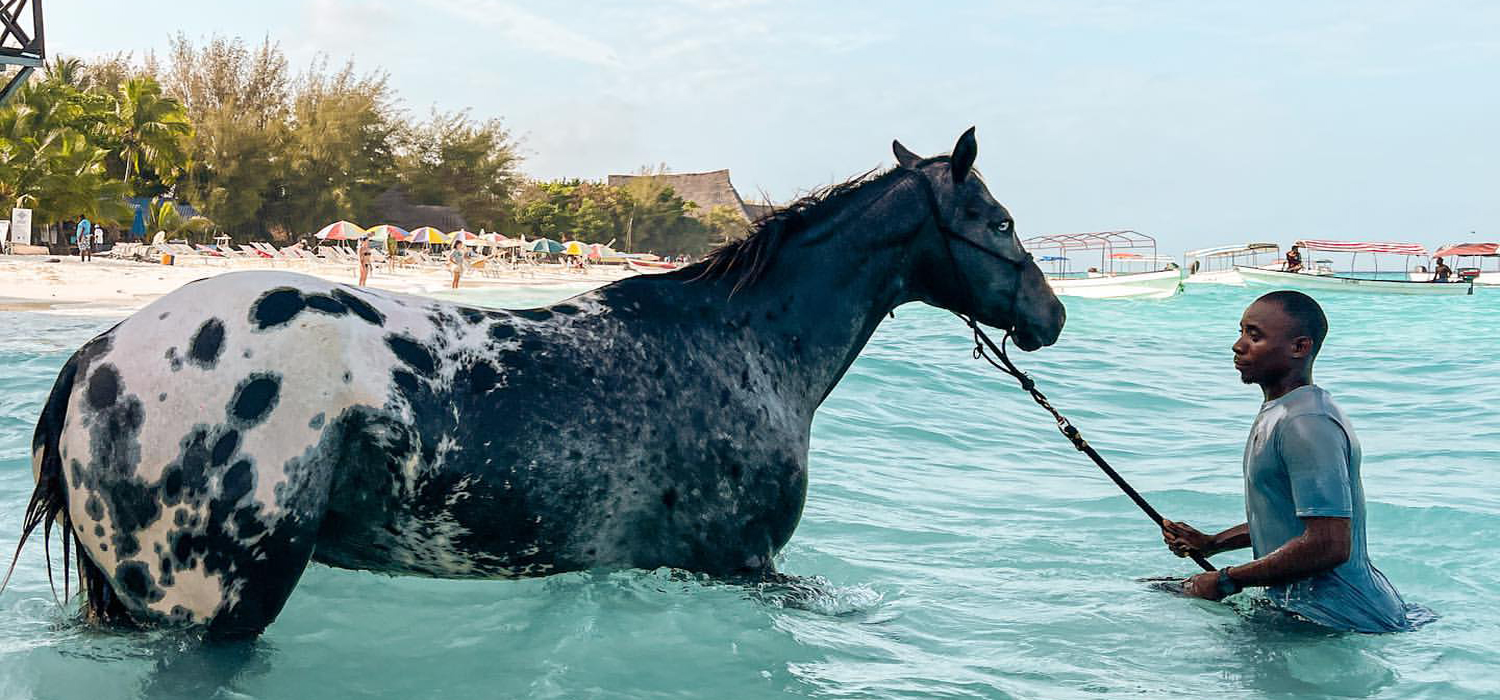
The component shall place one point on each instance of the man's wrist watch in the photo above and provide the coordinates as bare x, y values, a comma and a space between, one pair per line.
1226, 585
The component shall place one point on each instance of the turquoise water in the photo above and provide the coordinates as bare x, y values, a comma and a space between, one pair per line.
967, 550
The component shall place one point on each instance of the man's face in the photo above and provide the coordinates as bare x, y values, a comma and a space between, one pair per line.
1269, 346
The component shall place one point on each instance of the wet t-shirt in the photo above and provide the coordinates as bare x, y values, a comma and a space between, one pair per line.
1302, 460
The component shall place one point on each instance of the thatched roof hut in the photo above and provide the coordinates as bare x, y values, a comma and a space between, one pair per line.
707, 190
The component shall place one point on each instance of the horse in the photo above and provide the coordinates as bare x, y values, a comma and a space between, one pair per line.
201, 452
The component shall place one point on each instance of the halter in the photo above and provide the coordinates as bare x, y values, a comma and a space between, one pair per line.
994, 353
949, 235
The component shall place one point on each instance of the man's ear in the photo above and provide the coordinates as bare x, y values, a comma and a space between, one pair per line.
1302, 346
904, 158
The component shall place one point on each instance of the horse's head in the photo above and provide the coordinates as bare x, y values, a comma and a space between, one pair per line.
972, 261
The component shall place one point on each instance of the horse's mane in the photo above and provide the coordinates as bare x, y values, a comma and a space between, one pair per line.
750, 257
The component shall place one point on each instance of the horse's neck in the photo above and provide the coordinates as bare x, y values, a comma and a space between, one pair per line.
827, 290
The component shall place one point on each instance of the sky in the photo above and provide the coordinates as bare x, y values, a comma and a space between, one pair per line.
1199, 123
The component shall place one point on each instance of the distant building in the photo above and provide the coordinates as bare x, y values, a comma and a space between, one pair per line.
707, 190
394, 207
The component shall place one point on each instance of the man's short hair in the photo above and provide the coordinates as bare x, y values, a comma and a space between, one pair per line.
1304, 312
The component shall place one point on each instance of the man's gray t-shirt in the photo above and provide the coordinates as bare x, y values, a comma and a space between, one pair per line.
1302, 460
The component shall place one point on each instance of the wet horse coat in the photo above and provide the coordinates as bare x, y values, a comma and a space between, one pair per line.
205, 449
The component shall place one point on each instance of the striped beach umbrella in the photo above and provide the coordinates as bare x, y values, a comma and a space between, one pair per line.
544, 245
384, 231
463, 235
340, 231
427, 234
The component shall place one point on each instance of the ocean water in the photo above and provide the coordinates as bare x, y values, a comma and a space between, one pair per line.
961, 547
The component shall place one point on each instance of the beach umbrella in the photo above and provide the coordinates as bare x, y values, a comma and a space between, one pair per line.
463, 235
575, 248
545, 245
384, 231
340, 231
599, 251
427, 234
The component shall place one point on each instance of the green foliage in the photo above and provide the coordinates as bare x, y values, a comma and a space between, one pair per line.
163, 215
225, 126
456, 161
571, 210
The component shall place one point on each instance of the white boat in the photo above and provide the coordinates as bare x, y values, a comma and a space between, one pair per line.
1153, 277
1216, 265
1468, 262
1139, 285
1257, 277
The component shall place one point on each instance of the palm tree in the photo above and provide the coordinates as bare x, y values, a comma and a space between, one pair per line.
153, 132
163, 215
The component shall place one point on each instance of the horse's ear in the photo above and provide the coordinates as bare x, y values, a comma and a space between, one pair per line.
963, 155
904, 158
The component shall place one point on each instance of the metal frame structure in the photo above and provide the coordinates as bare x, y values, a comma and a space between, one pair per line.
1108, 243
1231, 253
18, 46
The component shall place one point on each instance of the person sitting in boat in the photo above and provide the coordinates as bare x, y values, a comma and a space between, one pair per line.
1303, 494
1440, 271
1294, 260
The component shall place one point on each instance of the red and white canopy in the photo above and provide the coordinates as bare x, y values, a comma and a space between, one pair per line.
1359, 247
1468, 249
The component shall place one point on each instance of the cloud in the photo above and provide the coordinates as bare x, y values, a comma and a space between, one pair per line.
532, 31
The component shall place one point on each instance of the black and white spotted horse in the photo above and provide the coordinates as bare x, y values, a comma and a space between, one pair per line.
202, 451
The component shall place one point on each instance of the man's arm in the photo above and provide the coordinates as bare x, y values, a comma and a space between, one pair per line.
1323, 545
1183, 539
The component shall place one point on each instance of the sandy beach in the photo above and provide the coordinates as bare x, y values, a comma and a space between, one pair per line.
62, 284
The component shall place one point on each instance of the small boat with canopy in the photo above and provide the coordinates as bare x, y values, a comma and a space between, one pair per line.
1369, 282
1469, 261
1129, 267
1216, 265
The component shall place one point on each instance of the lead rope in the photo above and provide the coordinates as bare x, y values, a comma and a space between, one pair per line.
984, 347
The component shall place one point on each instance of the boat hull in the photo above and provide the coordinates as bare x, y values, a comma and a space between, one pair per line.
1255, 277
1144, 285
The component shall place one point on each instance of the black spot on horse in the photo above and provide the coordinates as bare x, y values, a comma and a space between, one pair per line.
224, 448
162, 396
501, 331
207, 344
137, 582
173, 360
325, 303
534, 314
473, 316
360, 307
407, 383
412, 353
104, 388
669, 497
254, 399
481, 377
94, 507
565, 309
276, 307
317, 422
164, 315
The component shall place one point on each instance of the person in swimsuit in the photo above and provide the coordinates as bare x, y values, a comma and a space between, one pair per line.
1294, 260
366, 258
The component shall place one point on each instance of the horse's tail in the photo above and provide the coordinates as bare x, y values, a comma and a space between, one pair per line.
49, 503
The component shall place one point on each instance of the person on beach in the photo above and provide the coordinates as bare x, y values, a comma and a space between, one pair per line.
83, 237
1294, 260
1303, 497
366, 259
456, 261
1440, 271
390, 253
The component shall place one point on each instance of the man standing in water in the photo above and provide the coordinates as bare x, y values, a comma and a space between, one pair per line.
1304, 503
